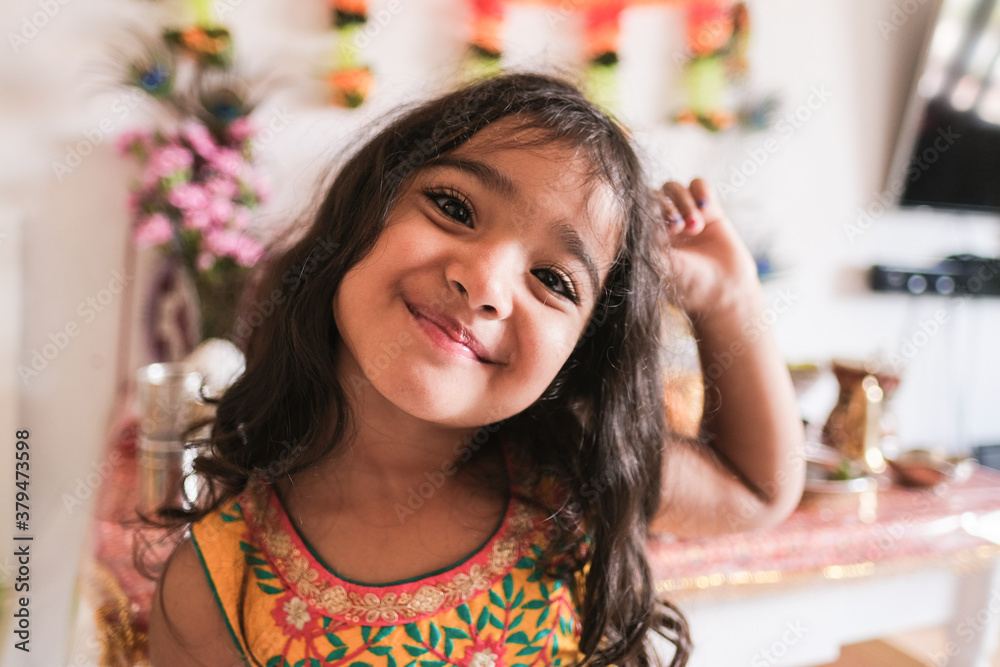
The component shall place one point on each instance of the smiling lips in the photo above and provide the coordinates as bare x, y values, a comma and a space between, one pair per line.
449, 334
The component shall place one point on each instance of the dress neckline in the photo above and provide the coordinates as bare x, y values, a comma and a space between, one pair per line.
306, 576
299, 539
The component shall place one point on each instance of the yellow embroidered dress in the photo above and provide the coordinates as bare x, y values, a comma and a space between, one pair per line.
492, 609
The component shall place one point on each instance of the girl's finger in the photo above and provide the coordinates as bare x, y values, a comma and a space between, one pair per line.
668, 210
705, 199
694, 222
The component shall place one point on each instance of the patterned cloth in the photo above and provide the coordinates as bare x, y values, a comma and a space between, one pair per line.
495, 608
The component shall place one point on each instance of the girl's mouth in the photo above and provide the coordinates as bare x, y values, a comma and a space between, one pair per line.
449, 333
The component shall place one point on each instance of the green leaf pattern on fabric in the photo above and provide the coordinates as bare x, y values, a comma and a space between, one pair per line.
476, 641
498, 633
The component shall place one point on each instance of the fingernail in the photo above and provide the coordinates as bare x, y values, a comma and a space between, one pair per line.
675, 222
701, 203
690, 222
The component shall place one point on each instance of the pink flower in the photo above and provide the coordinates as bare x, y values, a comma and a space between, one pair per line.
133, 138
242, 129
169, 160
221, 187
248, 252
188, 197
227, 161
221, 242
134, 199
261, 186
201, 139
154, 230
220, 210
241, 217
198, 218
245, 250
205, 260
150, 179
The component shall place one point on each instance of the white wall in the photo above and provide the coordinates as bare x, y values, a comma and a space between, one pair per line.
59, 87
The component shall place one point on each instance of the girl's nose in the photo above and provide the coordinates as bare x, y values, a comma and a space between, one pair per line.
485, 280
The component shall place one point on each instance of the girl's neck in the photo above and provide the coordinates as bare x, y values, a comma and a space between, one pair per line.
396, 453
397, 444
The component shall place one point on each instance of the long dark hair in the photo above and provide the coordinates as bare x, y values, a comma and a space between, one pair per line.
599, 429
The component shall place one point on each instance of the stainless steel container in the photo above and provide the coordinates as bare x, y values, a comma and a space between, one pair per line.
168, 396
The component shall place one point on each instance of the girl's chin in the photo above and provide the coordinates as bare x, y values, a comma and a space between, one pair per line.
449, 411
430, 406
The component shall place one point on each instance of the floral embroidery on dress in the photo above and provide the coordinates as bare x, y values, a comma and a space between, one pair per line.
495, 609
361, 604
484, 654
485, 658
298, 612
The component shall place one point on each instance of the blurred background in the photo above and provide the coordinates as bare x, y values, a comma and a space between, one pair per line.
797, 123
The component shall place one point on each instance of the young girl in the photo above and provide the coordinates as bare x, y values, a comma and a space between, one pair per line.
449, 442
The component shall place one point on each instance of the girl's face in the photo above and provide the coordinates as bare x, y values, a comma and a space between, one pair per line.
481, 284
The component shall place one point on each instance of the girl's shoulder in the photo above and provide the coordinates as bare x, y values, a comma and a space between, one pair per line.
185, 625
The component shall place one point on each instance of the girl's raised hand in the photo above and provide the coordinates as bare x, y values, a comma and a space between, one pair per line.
713, 269
747, 470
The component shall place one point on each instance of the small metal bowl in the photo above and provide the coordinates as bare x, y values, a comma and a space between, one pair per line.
836, 482
920, 468
841, 486
829, 471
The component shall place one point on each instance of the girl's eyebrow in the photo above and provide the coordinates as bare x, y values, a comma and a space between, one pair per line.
489, 176
575, 245
499, 182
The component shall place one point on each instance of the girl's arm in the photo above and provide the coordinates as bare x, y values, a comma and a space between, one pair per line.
186, 628
748, 471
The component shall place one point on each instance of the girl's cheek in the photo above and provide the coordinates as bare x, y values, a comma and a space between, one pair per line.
568, 345
561, 347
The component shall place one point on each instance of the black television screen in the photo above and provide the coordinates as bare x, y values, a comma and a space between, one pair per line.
948, 155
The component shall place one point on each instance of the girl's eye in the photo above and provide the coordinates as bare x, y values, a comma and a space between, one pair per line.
557, 282
452, 206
